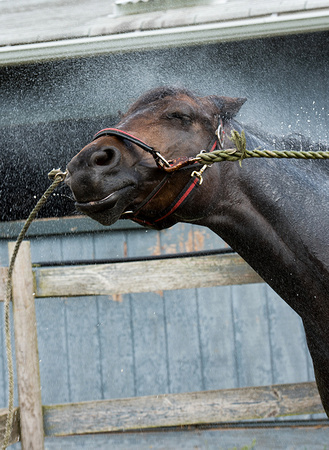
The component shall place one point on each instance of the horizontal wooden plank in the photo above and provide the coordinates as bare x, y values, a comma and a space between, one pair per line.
15, 434
169, 410
302, 435
143, 276
3, 281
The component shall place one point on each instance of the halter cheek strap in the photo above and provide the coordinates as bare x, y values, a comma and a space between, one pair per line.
160, 221
169, 167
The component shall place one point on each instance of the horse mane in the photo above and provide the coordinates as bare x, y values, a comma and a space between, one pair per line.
257, 137
297, 141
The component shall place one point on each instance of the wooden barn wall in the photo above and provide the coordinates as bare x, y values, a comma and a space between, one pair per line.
158, 342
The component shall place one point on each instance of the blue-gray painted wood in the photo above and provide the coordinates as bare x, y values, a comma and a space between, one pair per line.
148, 325
184, 353
182, 322
53, 351
150, 343
217, 341
172, 341
288, 346
116, 347
82, 331
259, 438
251, 335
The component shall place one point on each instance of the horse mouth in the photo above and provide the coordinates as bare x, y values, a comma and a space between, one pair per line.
104, 204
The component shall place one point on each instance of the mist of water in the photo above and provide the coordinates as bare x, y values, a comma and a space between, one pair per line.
50, 111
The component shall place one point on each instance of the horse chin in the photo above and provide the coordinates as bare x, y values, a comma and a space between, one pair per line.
109, 209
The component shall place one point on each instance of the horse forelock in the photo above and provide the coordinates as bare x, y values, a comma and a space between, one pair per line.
151, 97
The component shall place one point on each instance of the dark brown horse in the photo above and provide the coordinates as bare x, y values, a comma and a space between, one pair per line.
272, 212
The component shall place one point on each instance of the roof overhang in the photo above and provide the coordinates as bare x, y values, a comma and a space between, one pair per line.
165, 37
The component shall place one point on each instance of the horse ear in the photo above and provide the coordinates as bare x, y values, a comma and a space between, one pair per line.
227, 107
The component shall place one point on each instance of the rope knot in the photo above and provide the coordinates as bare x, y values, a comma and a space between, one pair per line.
57, 174
240, 143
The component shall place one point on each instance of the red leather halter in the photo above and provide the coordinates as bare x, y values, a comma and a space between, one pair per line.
169, 167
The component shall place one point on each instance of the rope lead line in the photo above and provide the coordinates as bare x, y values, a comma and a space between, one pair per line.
57, 176
239, 153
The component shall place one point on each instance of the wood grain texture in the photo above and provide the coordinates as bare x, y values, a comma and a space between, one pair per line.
26, 345
15, 434
303, 436
3, 279
181, 409
143, 276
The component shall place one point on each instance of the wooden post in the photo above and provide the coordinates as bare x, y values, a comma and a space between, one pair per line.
26, 345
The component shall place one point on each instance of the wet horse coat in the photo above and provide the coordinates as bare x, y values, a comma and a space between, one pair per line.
272, 212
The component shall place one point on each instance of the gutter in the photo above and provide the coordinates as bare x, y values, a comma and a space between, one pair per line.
208, 33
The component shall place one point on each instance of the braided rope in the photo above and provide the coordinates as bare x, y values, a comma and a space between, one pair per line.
58, 176
239, 153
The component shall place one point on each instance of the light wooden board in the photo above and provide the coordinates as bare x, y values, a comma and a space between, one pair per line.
143, 276
26, 346
3, 278
181, 409
298, 436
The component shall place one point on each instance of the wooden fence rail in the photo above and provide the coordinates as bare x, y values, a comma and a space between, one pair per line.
173, 410
143, 276
141, 412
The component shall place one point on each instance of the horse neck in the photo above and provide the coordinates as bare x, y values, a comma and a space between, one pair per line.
271, 213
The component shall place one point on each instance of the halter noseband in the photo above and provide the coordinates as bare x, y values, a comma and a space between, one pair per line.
169, 167
158, 158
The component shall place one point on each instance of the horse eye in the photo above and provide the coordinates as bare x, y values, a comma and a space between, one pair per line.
184, 118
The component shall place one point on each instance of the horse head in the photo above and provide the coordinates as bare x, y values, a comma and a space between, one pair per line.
272, 213
124, 172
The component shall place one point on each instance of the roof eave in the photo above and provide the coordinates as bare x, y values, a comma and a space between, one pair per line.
208, 33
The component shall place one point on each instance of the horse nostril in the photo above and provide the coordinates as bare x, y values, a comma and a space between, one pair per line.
105, 157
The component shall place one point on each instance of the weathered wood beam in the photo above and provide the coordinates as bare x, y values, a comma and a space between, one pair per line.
207, 407
3, 279
143, 276
15, 434
26, 346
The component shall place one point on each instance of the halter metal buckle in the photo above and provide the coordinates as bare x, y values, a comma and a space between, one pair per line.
199, 174
161, 160
220, 134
